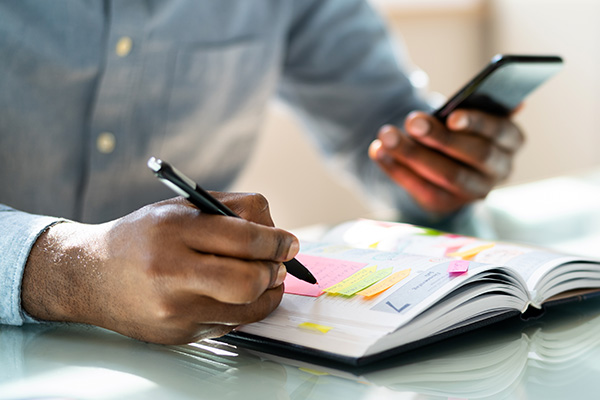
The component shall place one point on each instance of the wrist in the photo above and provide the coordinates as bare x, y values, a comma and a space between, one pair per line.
53, 286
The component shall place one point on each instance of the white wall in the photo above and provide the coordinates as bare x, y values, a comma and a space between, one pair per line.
562, 118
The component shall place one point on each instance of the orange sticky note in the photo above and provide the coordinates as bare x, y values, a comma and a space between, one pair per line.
385, 284
472, 252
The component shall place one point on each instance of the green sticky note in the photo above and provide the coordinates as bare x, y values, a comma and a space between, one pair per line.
351, 280
366, 282
431, 232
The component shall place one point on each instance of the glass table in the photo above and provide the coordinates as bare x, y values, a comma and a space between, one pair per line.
553, 357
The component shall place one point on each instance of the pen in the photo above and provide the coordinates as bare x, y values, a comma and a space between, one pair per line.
199, 197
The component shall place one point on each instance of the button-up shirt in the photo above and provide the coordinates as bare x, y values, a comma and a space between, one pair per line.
89, 90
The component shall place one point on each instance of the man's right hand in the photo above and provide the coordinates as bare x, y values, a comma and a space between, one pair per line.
166, 273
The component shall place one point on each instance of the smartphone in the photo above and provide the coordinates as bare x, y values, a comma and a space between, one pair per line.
503, 84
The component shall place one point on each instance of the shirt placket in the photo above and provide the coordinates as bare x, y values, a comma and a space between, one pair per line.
111, 123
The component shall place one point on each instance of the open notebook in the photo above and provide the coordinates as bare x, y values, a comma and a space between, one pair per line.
385, 288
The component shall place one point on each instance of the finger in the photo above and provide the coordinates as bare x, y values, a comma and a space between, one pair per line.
429, 196
479, 152
236, 237
435, 167
250, 206
498, 129
192, 314
227, 280
215, 312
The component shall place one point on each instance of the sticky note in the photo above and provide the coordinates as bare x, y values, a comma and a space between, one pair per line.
385, 284
313, 371
351, 280
315, 327
457, 242
458, 266
366, 282
472, 252
451, 250
328, 272
431, 232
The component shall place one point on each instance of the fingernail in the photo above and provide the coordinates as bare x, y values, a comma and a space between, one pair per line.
378, 153
418, 127
389, 137
293, 250
375, 150
281, 273
459, 121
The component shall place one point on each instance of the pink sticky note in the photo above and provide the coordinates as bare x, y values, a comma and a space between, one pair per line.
328, 272
458, 266
452, 249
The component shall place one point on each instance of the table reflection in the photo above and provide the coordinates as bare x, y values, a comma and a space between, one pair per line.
557, 356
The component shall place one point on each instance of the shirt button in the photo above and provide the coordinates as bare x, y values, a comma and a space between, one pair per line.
106, 142
123, 47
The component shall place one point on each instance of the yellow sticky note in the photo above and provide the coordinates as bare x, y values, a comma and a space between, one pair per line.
374, 245
351, 280
313, 371
471, 252
366, 282
315, 327
385, 284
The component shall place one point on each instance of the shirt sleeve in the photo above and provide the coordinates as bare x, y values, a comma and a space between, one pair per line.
18, 233
345, 78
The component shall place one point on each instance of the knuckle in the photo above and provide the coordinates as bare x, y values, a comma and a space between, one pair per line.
485, 153
263, 306
259, 201
251, 283
253, 238
452, 176
165, 311
477, 122
281, 248
470, 184
442, 136
504, 169
255, 207
408, 149
261, 240
255, 203
512, 137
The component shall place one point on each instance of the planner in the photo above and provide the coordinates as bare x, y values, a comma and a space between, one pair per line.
385, 288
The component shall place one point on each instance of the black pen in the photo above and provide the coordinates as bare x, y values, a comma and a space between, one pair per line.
199, 197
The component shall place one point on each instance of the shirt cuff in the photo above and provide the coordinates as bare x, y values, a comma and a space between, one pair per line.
18, 233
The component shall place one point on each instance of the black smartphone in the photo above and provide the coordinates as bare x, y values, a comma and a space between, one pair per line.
503, 84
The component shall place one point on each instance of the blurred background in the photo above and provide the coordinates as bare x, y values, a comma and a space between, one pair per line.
451, 40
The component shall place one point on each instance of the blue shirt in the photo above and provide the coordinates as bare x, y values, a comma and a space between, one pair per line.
89, 90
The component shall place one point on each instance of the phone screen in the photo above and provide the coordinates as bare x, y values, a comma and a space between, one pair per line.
503, 84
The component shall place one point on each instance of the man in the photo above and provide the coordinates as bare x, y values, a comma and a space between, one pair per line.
90, 90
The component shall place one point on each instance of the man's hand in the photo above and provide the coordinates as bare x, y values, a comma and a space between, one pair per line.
166, 273
446, 167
